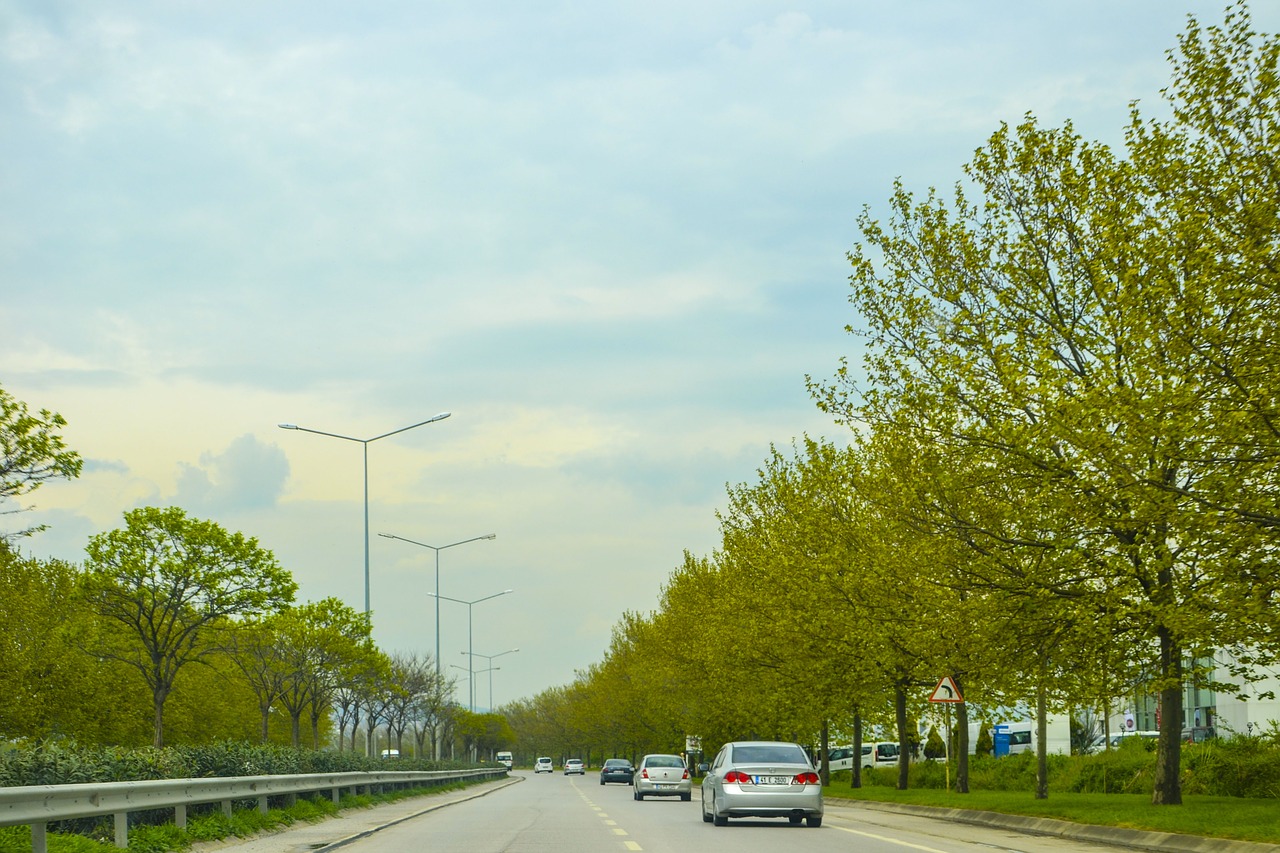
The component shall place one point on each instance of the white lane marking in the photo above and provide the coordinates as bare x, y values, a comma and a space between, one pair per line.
886, 838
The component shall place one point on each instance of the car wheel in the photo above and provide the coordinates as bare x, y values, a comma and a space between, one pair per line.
794, 819
636, 795
601, 783
706, 818
719, 819
814, 820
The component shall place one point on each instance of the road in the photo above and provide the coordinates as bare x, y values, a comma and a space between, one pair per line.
575, 814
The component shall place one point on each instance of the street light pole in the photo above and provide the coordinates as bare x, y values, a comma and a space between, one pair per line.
490, 658
366, 442
438, 549
470, 604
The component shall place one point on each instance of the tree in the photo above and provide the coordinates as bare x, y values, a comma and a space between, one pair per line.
257, 653
1089, 327
50, 687
321, 646
31, 453
171, 584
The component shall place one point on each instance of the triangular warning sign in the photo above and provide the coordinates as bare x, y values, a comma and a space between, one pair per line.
946, 691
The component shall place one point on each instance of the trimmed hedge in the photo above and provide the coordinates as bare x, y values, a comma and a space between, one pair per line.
61, 763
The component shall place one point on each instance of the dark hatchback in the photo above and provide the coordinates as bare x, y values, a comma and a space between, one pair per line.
617, 770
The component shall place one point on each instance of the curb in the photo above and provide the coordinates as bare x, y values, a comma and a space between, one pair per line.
1134, 839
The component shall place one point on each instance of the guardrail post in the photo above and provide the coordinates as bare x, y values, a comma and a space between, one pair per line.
180, 816
226, 808
122, 829
336, 795
39, 838
262, 804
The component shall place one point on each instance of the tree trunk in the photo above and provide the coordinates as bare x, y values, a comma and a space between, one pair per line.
900, 717
158, 698
1168, 785
825, 769
856, 776
1042, 732
962, 743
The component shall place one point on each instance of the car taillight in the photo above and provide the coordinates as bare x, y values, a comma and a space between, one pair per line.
806, 779
644, 774
737, 777
685, 775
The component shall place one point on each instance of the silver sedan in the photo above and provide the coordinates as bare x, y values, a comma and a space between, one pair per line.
662, 776
762, 779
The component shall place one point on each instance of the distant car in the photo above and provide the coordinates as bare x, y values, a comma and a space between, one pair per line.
1198, 734
575, 765
617, 770
506, 759
662, 776
762, 779
544, 765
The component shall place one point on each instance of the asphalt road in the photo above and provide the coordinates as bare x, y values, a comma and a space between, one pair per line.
541, 814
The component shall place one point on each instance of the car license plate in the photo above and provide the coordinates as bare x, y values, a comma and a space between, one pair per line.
771, 780
663, 787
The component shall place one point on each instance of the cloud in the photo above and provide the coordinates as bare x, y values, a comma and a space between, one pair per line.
247, 475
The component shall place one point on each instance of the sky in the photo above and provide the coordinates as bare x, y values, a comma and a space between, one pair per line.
608, 237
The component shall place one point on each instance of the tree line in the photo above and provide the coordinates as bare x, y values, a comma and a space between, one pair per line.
176, 630
1060, 476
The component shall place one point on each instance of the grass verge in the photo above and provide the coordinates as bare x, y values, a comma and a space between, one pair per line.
1211, 817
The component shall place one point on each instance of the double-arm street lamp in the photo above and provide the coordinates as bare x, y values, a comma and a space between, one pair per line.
437, 596
470, 604
490, 658
366, 442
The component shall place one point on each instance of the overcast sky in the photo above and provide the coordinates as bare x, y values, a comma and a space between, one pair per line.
609, 237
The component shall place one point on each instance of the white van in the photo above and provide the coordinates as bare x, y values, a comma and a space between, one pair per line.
877, 754
505, 759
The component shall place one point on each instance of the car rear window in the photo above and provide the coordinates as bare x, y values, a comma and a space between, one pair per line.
664, 761
769, 754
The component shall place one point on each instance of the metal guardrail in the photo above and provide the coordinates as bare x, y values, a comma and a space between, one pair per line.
40, 805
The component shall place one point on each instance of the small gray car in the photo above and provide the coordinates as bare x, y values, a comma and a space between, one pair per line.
762, 779
661, 775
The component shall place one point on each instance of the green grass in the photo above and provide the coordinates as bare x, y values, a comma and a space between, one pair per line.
1214, 817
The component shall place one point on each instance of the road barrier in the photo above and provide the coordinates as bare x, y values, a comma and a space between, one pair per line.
40, 805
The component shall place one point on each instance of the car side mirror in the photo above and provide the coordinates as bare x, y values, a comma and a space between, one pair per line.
703, 768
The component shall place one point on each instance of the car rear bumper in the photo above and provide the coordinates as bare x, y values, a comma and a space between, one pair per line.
664, 789
734, 801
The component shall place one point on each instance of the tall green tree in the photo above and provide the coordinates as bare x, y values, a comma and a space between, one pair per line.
32, 452
1085, 327
171, 585
50, 687
321, 646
